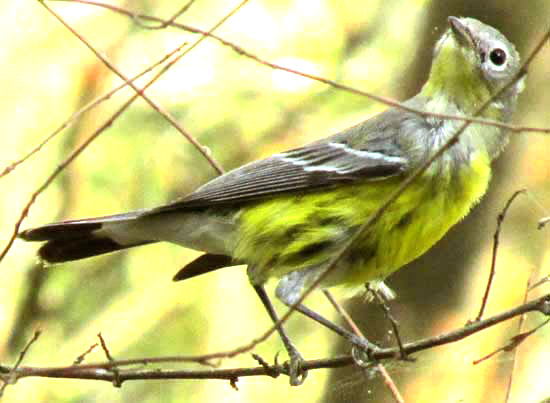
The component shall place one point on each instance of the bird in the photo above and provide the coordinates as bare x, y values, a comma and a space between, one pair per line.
287, 215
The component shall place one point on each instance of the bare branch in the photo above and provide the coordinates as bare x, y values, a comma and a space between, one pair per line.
496, 236
393, 322
102, 371
521, 321
141, 92
78, 360
11, 376
167, 23
104, 347
387, 101
117, 383
388, 381
85, 109
511, 346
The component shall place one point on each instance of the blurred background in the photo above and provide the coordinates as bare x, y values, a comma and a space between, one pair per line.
243, 110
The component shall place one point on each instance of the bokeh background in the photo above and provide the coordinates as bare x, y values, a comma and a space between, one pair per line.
242, 111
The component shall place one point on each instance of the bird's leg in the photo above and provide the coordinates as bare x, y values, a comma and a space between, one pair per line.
295, 372
381, 297
357, 341
289, 291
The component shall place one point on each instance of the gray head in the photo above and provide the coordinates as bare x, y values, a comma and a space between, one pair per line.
496, 57
471, 62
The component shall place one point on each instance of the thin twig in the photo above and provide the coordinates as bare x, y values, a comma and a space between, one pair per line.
496, 238
521, 322
141, 92
167, 23
388, 381
345, 315
512, 346
270, 370
117, 383
104, 347
11, 377
387, 101
78, 360
85, 109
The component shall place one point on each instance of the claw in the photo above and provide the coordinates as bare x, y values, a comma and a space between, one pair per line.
296, 374
361, 352
361, 356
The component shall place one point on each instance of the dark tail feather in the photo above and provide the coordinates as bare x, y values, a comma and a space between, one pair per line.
62, 250
204, 264
78, 239
58, 231
74, 228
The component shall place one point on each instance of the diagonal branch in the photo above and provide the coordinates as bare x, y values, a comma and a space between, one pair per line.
141, 92
85, 109
384, 100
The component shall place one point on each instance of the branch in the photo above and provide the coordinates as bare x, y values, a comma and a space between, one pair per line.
496, 240
388, 381
12, 375
67, 123
384, 100
103, 371
521, 321
141, 92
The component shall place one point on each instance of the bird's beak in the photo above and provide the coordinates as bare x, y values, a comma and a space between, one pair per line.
461, 31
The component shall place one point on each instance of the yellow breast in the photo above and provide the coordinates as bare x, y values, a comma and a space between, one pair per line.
297, 232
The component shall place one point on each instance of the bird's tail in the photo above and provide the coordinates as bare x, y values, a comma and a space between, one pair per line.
78, 239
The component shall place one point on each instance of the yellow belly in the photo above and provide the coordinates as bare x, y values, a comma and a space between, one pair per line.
296, 232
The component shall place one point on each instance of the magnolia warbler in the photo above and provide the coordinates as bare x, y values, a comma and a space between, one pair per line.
285, 216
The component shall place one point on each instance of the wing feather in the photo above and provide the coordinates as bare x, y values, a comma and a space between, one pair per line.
308, 168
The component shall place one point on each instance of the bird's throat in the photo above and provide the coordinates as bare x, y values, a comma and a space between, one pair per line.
455, 80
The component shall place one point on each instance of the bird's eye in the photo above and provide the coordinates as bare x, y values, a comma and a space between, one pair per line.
497, 57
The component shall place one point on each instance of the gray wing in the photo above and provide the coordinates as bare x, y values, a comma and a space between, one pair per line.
372, 150
309, 168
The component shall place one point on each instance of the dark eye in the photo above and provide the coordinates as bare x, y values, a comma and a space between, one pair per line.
497, 56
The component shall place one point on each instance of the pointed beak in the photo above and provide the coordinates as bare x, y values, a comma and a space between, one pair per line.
461, 31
